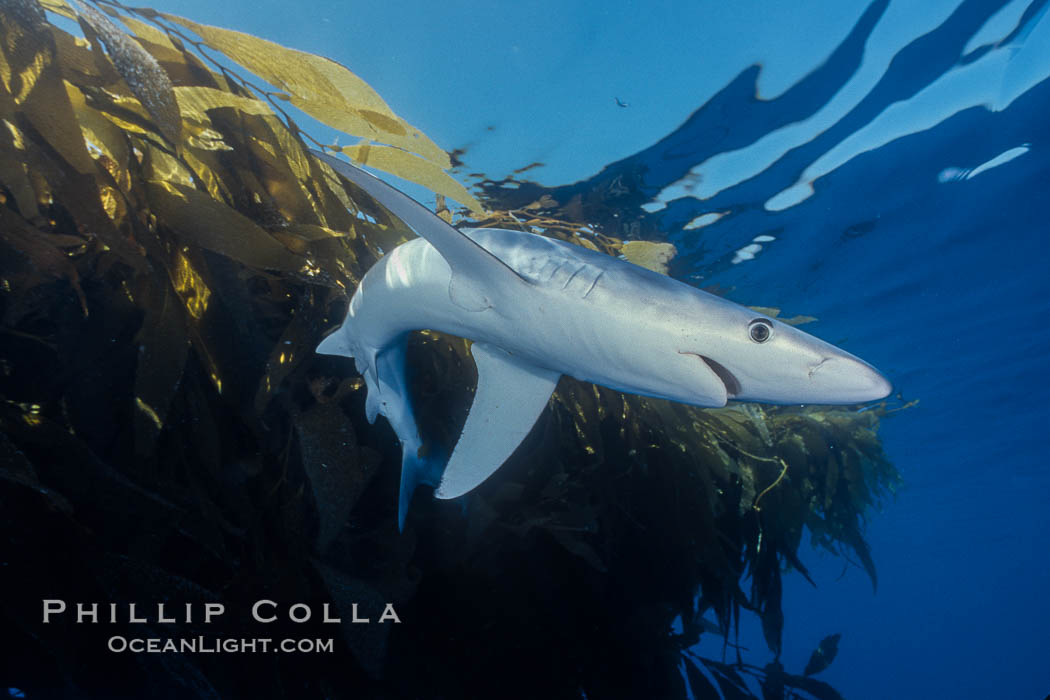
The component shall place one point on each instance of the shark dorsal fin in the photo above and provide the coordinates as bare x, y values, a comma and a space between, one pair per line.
511, 395
475, 271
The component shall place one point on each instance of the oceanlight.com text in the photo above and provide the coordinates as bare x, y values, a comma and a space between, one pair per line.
211, 645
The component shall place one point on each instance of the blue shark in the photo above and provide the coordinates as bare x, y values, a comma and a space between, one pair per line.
538, 308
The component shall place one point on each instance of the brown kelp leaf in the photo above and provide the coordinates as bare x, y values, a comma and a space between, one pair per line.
160, 165
338, 469
17, 466
323, 244
279, 172
409, 167
163, 348
772, 312
378, 229
189, 285
147, 80
310, 233
28, 12
649, 254
204, 138
853, 538
769, 311
19, 478
699, 685
201, 220
767, 587
334, 202
23, 59
773, 681
92, 480
292, 168
78, 62
823, 655
33, 251
125, 111
320, 87
798, 320
367, 642
122, 576
31, 80
730, 684
13, 173
291, 349
576, 546
207, 169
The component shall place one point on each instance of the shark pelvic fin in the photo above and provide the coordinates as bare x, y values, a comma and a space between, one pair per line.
474, 269
511, 395
337, 343
388, 395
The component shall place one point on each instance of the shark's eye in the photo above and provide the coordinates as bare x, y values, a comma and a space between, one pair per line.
760, 330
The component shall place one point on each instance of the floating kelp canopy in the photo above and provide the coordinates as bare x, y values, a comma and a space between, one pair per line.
170, 255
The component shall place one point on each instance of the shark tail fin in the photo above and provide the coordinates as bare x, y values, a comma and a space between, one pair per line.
415, 471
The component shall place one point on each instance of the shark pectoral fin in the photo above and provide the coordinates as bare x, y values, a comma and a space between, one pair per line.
511, 395
464, 256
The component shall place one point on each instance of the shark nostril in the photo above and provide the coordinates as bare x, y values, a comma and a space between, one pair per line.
727, 377
817, 366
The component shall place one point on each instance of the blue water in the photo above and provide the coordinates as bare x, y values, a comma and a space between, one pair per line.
941, 280
943, 285
922, 246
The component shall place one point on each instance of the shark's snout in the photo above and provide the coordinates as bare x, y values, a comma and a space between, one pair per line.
848, 380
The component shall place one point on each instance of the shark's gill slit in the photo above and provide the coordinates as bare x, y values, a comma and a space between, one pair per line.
731, 382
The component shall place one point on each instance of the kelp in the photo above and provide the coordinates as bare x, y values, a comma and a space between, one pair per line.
823, 655
171, 254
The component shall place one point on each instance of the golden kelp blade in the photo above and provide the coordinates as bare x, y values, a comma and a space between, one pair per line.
59, 7
320, 87
102, 134
148, 32
649, 254
407, 166
194, 101
13, 171
775, 313
201, 220
189, 286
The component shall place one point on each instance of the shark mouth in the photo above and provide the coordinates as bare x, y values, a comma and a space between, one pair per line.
732, 384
